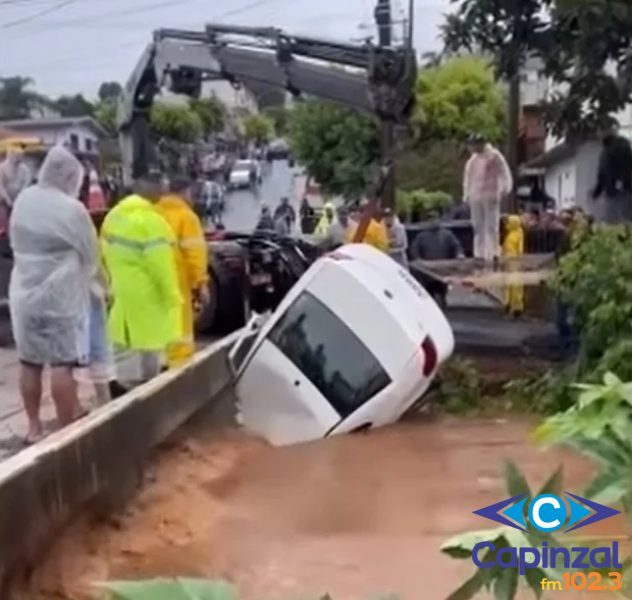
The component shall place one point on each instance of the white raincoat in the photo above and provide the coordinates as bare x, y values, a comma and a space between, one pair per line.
486, 179
14, 177
55, 250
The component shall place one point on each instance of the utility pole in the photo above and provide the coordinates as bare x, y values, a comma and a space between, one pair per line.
384, 21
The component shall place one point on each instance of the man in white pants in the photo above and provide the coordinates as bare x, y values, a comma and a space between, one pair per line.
487, 180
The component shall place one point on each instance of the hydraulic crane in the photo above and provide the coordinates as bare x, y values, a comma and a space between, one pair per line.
374, 79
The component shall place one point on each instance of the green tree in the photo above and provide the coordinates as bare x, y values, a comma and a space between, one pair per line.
337, 145
105, 114
212, 113
74, 106
176, 122
432, 165
257, 127
457, 97
584, 46
279, 116
17, 99
587, 51
109, 90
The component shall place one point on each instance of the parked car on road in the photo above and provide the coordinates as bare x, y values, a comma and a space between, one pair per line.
352, 346
244, 174
278, 150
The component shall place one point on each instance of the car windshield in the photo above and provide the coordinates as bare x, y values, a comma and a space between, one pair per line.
329, 354
243, 165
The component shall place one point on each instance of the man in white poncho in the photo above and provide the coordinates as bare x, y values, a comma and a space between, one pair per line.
14, 177
55, 251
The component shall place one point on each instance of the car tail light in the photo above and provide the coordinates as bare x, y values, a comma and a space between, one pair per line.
430, 356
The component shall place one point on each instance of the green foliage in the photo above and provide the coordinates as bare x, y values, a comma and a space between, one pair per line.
105, 114
212, 114
421, 204
258, 128
458, 97
338, 146
432, 164
460, 388
180, 589
109, 90
175, 122
576, 40
503, 583
595, 279
74, 106
17, 99
599, 425
279, 116
170, 589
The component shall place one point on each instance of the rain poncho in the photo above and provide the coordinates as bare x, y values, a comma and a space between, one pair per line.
138, 252
375, 235
325, 222
398, 242
513, 246
55, 257
191, 254
14, 177
487, 178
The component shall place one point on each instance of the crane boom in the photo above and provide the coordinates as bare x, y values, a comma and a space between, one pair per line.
368, 78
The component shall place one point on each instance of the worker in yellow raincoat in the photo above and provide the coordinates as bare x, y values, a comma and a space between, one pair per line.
326, 220
191, 253
513, 246
376, 234
138, 253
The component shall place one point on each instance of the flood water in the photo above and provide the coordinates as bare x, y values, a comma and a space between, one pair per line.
356, 516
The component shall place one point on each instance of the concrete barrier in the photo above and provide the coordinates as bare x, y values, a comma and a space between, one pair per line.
44, 486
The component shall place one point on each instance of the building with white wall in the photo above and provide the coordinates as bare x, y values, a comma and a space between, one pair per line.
79, 134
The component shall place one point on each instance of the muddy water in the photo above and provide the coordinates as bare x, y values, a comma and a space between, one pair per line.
354, 516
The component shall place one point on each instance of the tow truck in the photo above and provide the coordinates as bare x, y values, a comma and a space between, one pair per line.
376, 80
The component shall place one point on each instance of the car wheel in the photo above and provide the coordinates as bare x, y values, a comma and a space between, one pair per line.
205, 321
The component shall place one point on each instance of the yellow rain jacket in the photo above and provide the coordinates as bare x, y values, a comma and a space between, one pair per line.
376, 235
138, 253
191, 254
513, 246
322, 228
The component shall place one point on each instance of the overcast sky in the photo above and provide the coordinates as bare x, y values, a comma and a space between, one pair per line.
70, 46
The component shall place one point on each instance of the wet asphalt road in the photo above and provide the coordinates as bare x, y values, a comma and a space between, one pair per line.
244, 206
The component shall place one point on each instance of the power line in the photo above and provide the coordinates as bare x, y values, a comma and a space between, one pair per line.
74, 57
37, 15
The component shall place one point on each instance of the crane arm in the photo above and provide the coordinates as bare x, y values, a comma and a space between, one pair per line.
368, 78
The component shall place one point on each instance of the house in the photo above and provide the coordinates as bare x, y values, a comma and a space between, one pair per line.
79, 134
569, 172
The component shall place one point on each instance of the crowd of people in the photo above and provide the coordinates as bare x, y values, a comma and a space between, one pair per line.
116, 306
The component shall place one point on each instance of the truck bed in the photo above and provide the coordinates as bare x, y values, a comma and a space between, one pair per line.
529, 269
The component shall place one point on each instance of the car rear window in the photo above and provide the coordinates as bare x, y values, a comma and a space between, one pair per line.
329, 354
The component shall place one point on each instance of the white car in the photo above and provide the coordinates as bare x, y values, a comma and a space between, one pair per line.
240, 175
353, 345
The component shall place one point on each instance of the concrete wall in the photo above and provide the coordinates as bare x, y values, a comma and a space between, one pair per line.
97, 459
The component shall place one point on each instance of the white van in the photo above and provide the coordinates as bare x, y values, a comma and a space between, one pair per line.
353, 345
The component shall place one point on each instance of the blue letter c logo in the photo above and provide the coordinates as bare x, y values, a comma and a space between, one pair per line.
547, 512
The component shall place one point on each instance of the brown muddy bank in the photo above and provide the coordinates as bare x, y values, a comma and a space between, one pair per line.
354, 516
